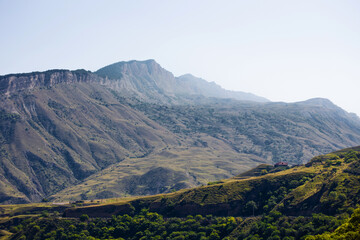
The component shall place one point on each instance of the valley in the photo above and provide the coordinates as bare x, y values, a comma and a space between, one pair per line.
179, 120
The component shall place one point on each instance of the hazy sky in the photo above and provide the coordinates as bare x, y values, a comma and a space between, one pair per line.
282, 50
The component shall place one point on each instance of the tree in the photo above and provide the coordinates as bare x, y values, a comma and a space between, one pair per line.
251, 205
214, 235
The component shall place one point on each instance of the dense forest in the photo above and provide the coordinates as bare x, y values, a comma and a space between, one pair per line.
149, 225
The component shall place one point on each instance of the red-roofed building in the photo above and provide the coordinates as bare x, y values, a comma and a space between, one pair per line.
278, 164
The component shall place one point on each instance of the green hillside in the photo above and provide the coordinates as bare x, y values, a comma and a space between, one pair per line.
349, 230
313, 201
328, 184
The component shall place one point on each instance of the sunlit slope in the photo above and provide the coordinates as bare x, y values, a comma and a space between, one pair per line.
165, 170
328, 184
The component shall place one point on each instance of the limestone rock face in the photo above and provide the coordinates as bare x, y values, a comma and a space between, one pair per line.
13, 83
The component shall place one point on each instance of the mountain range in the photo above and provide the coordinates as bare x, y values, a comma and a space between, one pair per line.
132, 128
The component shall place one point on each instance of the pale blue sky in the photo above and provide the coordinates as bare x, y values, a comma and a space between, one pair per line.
283, 50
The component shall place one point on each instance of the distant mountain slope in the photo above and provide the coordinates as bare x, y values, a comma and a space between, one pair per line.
292, 132
78, 135
151, 82
190, 85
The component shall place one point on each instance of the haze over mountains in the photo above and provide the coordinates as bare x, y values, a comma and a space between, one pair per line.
132, 128
150, 82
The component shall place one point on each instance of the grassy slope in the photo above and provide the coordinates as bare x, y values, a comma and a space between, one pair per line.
186, 167
301, 190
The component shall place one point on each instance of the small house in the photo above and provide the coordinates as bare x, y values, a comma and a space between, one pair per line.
281, 164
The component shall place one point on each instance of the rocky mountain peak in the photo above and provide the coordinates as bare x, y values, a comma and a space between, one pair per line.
323, 102
133, 67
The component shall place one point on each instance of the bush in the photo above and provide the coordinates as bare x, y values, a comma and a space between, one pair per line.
84, 217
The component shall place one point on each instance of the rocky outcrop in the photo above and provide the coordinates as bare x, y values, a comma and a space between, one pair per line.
12, 83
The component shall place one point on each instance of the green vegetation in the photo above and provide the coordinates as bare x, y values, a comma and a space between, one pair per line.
149, 225
329, 184
349, 230
260, 170
302, 202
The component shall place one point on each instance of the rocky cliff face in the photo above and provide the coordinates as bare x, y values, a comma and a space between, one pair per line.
12, 83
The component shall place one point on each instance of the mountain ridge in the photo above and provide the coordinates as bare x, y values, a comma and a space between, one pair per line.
167, 82
145, 79
12, 83
211, 89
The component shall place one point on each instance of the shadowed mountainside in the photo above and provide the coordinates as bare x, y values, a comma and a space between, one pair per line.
54, 137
